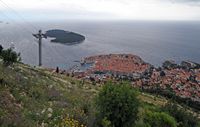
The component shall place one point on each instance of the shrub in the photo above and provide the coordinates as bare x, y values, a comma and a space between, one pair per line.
118, 104
9, 56
106, 123
184, 118
156, 119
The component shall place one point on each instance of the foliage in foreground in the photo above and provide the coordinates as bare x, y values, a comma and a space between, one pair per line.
1, 48
118, 104
159, 119
184, 118
31, 97
9, 56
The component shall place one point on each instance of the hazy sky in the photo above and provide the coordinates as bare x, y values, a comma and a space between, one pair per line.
102, 9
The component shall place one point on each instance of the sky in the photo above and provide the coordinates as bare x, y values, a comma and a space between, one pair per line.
100, 9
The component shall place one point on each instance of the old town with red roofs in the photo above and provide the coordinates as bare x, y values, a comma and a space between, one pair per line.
182, 79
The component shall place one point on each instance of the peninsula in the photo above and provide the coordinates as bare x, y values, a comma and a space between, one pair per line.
171, 80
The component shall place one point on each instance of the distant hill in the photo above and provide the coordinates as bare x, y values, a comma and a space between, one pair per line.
65, 37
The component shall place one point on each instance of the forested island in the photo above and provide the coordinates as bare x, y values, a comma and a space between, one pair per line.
64, 37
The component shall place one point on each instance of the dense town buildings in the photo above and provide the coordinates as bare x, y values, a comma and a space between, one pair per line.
183, 79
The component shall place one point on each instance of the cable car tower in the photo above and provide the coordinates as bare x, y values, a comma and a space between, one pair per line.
39, 36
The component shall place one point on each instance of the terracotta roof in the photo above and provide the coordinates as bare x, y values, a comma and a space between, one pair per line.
124, 63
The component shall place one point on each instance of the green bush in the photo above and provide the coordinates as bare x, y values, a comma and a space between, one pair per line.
157, 119
118, 104
184, 118
9, 56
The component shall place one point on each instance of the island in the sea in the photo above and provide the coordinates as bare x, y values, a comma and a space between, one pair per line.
65, 37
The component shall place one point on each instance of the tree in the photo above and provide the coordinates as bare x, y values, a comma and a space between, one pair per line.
169, 64
162, 74
1, 48
118, 104
9, 56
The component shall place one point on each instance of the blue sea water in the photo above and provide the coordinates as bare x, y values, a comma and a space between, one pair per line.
153, 41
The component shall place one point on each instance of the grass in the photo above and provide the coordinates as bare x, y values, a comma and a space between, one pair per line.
158, 101
27, 93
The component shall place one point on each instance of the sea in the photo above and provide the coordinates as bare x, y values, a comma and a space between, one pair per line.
153, 41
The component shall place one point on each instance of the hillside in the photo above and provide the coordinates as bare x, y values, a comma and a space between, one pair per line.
37, 97
32, 96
